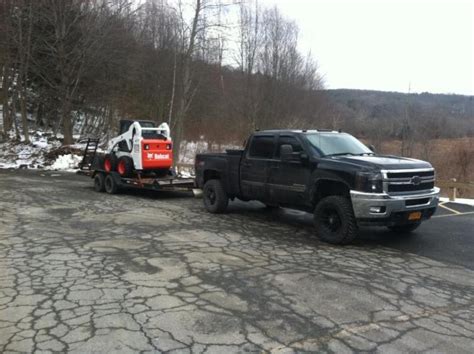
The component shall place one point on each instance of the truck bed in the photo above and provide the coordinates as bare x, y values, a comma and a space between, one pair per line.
226, 164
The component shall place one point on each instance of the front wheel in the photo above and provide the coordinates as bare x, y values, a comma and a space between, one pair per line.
110, 162
214, 196
334, 220
405, 229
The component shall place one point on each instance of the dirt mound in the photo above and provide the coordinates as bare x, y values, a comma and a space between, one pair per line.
63, 150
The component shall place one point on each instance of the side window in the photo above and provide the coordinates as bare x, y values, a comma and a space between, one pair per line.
289, 140
262, 147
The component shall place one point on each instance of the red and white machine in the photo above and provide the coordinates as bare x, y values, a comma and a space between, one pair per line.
140, 147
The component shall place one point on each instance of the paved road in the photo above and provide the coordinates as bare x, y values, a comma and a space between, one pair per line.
83, 272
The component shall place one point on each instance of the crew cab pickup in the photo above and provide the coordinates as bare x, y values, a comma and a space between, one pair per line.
331, 174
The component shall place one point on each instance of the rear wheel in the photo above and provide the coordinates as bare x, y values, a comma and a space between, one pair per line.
405, 229
99, 182
110, 185
125, 166
335, 221
110, 162
214, 196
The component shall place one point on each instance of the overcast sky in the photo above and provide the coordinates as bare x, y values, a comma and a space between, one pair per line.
388, 44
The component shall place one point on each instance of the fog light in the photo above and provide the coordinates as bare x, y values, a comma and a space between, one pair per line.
377, 209
168, 146
147, 147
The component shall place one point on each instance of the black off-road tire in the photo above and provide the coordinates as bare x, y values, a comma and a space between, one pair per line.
125, 166
110, 185
99, 182
405, 229
113, 162
215, 197
335, 221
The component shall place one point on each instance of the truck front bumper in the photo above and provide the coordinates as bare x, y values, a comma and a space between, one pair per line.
385, 209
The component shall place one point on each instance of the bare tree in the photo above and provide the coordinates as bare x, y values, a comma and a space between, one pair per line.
23, 29
6, 61
72, 38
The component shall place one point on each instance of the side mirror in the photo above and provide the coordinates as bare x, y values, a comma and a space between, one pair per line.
286, 152
372, 148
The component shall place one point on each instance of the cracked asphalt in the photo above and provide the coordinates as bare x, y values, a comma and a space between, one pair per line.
87, 272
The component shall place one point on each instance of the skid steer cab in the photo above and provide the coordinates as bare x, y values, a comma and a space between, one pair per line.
141, 147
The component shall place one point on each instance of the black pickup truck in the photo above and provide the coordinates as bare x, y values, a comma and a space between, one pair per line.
328, 173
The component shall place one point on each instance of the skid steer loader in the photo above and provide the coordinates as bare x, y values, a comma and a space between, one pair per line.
141, 147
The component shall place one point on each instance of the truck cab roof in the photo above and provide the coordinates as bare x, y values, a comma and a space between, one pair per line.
295, 131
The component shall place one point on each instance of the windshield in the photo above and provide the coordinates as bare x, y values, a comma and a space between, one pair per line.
330, 144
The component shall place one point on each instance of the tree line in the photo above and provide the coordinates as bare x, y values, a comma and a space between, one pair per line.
212, 69
207, 67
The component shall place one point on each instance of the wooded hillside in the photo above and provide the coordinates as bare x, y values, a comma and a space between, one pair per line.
75, 64
213, 69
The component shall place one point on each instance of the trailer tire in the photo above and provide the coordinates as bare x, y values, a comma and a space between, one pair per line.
110, 185
215, 197
110, 162
335, 221
99, 182
125, 166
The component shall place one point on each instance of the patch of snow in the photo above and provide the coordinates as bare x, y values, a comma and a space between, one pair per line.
459, 201
18, 154
66, 163
186, 174
6, 165
41, 143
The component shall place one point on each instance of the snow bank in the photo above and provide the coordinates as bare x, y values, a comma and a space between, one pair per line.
65, 163
459, 201
39, 153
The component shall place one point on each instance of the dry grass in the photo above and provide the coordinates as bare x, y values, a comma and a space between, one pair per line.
452, 158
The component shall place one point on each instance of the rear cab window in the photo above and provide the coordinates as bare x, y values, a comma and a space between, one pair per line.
262, 147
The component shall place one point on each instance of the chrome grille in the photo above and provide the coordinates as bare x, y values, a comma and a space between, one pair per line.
408, 181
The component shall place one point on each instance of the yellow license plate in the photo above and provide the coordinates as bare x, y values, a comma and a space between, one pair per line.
416, 215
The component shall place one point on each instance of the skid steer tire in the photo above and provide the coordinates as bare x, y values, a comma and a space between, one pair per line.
334, 220
110, 163
99, 183
215, 197
110, 185
125, 166
98, 163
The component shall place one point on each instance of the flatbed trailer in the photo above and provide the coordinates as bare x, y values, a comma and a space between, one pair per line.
112, 182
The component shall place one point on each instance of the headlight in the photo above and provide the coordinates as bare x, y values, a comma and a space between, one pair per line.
370, 182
